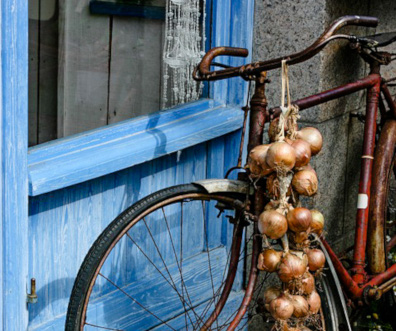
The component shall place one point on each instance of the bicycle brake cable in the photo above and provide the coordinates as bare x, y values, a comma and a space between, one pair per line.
246, 109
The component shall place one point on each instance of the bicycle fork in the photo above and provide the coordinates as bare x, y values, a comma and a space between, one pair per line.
258, 117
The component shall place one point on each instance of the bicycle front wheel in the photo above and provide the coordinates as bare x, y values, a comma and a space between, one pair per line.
167, 262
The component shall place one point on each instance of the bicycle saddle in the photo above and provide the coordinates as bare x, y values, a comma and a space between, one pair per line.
381, 39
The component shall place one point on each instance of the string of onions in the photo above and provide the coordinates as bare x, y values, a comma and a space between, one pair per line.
285, 163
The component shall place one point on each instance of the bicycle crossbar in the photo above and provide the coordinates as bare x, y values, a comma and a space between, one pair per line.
357, 281
332, 94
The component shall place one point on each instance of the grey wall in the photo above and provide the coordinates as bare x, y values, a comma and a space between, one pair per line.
283, 27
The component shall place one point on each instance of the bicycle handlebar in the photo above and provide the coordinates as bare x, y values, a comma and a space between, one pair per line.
202, 71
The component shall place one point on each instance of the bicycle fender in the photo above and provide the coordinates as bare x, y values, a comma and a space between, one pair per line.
383, 158
335, 295
224, 186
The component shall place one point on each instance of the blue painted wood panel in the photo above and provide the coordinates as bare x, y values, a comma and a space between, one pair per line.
66, 162
13, 177
63, 224
65, 220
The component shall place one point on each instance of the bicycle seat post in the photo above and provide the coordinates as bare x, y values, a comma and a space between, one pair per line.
258, 112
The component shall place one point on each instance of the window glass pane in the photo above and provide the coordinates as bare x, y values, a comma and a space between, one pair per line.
93, 63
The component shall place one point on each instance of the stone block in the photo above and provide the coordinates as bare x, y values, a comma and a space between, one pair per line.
355, 145
330, 165
385, 10
282, 28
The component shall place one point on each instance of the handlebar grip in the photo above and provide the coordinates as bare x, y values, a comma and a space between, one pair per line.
204, 66
368, 21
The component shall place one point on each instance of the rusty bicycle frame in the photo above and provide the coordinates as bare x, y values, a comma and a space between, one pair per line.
359, 282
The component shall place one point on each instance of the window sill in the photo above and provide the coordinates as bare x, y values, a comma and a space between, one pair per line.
99, 152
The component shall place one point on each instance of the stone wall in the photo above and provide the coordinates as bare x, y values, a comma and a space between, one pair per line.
284, 27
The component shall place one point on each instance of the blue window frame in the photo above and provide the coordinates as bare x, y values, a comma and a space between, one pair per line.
95, 153
71, 160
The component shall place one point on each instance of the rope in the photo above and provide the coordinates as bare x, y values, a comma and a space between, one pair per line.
288, 118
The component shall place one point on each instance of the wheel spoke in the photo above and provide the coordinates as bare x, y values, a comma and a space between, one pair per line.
257, 290
208, 253
134, 300
183, 285
202, 265
102, 327
181, 252
219, 290
171, 282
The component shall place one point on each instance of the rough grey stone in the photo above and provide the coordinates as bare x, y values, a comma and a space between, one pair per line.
355, 145
284, 27
385, 10
330, 165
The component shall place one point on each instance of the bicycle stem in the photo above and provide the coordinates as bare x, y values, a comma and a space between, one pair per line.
258, 113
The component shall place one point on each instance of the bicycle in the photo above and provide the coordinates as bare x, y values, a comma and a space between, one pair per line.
181, 290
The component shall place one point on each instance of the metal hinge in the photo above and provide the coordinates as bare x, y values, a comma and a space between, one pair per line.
32, 297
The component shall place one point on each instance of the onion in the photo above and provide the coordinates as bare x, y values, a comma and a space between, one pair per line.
299, 219
316, 259
306, 167
281, 308
272, 224
273, 186
257, 163
271, 205
269, 260
314, 302
313, 137
299, 237
281, 156
305, 182
292, 266
301, 308
317, 223
307, 283
305, 286
255, 168
303, 152
271, 293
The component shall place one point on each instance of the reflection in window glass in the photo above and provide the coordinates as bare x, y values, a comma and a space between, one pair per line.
87, 70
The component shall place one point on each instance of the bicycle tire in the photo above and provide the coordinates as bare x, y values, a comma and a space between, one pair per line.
105, 244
